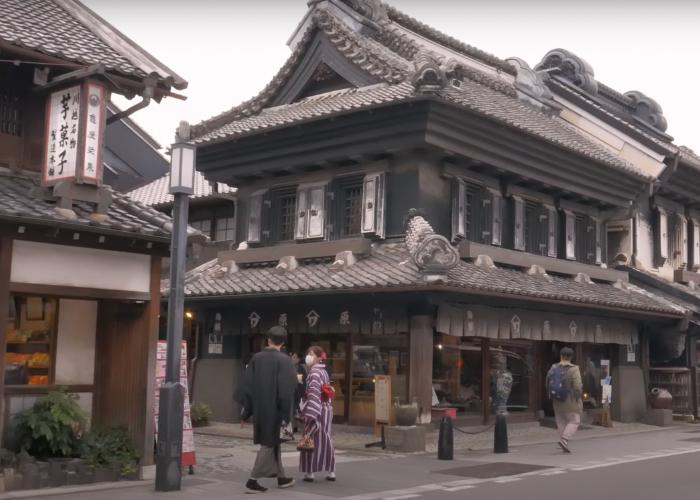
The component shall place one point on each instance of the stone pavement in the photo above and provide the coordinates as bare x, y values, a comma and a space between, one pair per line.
355, 438
224, 462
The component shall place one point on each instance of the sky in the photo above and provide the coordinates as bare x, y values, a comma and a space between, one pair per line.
228, 50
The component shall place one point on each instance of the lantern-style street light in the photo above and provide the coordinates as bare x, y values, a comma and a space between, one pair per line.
171, 405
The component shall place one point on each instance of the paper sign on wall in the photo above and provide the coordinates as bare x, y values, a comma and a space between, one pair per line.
188, 456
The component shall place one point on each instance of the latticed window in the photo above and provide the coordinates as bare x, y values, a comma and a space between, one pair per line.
351, 210
284, 205
536, 228
204, 226
10, 116
479, 214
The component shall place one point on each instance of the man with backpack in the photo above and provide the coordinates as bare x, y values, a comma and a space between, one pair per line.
565, 388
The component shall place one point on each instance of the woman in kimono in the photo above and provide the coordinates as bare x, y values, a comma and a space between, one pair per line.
317, 414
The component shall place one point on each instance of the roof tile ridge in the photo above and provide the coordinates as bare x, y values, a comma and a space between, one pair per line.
438, 36
349, 43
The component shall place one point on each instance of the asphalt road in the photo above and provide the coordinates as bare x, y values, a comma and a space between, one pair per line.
671, 478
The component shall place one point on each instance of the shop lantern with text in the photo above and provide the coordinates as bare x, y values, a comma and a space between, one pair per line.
75, 127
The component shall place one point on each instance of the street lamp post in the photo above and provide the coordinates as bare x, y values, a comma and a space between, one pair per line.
171, 406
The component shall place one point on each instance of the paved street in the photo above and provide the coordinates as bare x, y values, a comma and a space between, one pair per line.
654, 463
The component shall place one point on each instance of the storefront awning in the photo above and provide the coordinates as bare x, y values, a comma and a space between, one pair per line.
487, 322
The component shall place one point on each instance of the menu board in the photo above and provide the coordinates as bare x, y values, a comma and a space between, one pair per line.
382, 399
188, 457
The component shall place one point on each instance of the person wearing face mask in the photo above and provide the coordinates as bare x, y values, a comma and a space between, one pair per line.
317, 414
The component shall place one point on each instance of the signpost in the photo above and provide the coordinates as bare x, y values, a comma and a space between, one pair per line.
382, 407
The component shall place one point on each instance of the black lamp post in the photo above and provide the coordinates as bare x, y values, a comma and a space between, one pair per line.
171, 407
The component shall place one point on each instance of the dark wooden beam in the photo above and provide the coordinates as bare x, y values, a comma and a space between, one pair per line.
523, 260
78, 292
310, 250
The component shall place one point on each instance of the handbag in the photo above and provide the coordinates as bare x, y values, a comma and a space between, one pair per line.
286, 432
327, 392
306, 443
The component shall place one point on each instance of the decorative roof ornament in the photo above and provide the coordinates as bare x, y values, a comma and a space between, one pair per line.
571, 67
429, 75
432, 253
647, 110
371, 9
531, 87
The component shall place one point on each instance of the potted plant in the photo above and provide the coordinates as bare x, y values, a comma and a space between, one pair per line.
200, 414
110, 451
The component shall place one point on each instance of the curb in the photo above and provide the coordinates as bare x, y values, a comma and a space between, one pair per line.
70, 490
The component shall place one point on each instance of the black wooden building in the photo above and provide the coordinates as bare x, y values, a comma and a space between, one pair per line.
376, 114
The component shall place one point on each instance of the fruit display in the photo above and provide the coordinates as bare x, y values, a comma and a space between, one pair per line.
39, 360
38, 380
13, 358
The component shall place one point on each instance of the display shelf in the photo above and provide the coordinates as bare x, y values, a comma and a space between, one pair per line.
677, 381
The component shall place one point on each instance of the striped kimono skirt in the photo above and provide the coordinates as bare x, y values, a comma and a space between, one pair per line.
318, 416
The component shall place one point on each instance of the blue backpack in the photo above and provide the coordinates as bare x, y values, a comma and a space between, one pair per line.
557, 384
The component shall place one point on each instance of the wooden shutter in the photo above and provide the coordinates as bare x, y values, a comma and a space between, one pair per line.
255, 214
695, 243
373, 205
316, 197
301, 224
552, 230
496, 216
459, 210
598, 239
311, 212
518, 223
569, 235
661, 236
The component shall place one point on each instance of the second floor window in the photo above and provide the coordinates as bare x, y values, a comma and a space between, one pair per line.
348, 206
283, 216
225, 227
477, 213
203, 226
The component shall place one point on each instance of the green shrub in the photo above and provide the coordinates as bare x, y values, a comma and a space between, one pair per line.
104, 446
52, 427
200, 414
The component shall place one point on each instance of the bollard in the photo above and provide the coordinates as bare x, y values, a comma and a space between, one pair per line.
446, 440
500, 434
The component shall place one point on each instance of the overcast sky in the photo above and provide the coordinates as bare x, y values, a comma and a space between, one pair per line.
228, 50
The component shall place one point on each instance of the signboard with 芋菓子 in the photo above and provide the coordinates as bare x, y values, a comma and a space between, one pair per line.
62, 135
75, 123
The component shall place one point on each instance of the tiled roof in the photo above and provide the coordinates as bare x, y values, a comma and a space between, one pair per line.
156, 193
313, 107
124, 215
390, 265
68, 30
393, 58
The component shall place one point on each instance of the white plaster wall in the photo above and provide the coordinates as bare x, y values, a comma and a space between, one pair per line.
48, 264
75, 347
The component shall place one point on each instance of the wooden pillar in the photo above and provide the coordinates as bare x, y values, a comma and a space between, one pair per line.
5, 268
152, 317
421, 364
486, 379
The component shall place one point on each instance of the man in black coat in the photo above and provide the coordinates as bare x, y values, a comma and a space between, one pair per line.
268, 397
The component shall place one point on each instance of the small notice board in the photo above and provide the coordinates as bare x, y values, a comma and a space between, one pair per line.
188, 457
382, 399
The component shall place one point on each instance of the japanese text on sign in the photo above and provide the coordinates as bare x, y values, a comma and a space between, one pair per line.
62, 134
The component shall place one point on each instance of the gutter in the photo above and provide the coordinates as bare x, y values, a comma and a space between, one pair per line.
146, 95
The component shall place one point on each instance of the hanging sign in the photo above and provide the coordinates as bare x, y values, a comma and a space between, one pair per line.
188, 457
75, 124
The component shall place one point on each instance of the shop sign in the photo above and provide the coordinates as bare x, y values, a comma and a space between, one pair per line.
344, 318
75, 124
313, 318
282, 321
254, 319
215, 344
377, 321
631, 354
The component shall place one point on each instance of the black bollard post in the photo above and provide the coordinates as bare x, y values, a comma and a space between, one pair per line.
446, 440
500, 434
